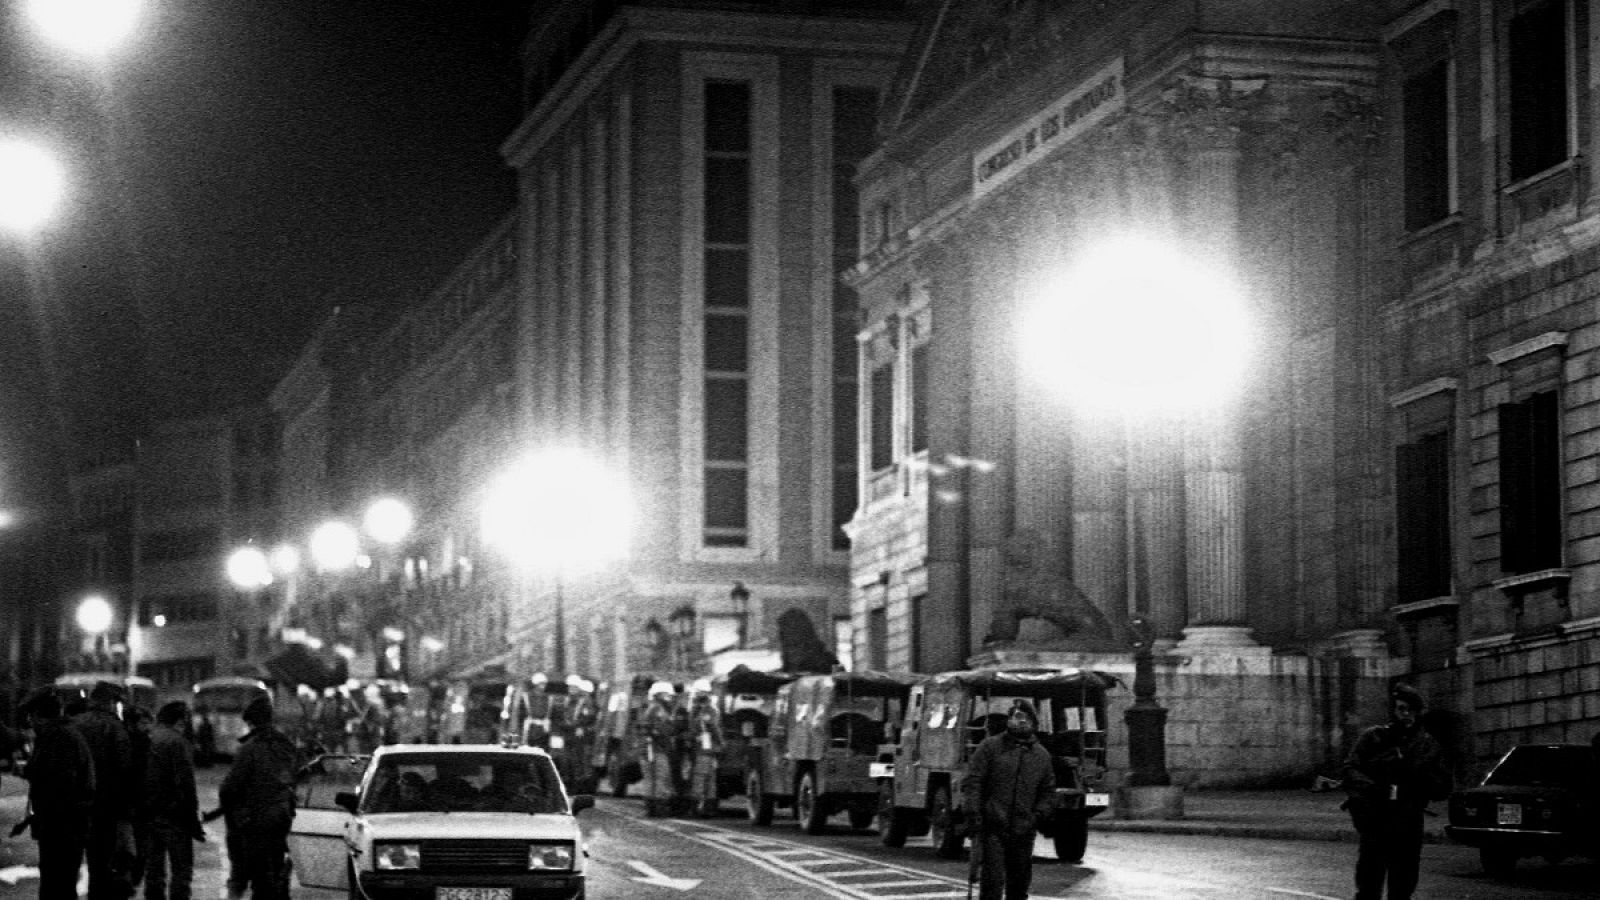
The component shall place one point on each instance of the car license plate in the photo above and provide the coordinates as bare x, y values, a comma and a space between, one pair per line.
472, 893
880, 770
1096, 799
1508, 814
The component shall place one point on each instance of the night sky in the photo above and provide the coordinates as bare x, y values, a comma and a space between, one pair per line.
235, 172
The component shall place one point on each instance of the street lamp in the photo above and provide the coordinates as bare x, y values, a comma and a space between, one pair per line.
334, 546
94, 618
85, 26
31, 185
558, 512
681, 621
1142, 332
740, 595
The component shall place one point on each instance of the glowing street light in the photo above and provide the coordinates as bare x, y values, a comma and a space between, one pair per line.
85, 26
387, 521
31, 185
284, 560
334, 546
1137, 327
558, 511
249, 569
94, 615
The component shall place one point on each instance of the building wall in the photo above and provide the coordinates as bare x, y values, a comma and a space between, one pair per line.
611, 163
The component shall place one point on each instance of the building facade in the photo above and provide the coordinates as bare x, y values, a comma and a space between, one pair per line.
686, 205
1397, 489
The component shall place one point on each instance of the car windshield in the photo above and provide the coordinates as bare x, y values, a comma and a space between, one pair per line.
465, 782
1537, 766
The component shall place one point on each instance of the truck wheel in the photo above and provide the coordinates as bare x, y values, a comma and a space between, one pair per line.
808, 806
758, 806
1071, 837
942, 826
892, 830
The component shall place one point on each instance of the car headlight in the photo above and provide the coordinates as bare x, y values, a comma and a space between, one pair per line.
388, 857
550, 857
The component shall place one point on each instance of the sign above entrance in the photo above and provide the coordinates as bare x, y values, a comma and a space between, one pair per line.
1072, 114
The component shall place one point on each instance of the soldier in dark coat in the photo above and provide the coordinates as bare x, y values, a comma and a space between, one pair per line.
257, 799
172, 806
1390, 775
114, 793
61, 781
1009, 789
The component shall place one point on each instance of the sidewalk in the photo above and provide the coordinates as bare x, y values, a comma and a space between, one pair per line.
1287, 814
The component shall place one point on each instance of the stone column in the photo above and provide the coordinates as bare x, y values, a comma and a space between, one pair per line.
990, 464
1213, 466
1155, 445
1099, 522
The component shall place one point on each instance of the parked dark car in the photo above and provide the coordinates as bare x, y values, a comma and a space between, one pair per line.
1538, 800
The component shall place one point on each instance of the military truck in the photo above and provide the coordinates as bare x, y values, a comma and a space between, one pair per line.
744, 699
920, 774
825, 734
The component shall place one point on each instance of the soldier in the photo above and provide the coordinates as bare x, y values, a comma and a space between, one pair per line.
664, 731
61, 781
705, 731
111, 840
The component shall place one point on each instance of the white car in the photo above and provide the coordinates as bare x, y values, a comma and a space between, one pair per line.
439, 822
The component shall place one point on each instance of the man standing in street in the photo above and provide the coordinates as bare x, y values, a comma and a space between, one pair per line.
1391, 774
61, 783
1009, 789
257, 799
111, 829
172, 806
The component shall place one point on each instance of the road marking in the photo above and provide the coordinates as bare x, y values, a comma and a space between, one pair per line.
653, 877
1294, 893
14, 874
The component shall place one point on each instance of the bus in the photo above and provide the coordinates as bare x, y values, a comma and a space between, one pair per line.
136, 689
217, 709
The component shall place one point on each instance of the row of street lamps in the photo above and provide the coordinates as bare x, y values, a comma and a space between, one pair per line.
556, 513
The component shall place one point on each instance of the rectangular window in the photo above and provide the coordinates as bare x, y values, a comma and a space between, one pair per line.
1422, 497
916, 661
855, 112
1538, 88
882, 417
726, 204
1426, 129
919, 398
878, 639
1530, 485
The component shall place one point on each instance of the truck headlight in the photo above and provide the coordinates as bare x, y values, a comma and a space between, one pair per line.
550, 857
389, 857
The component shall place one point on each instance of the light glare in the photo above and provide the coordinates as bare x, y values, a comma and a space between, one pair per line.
334, 546
1136, 326
94, 614
31, 185
248, 568
558, 511
85, 26
388, 520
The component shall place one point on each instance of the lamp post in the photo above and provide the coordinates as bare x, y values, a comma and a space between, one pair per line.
558, 513
94, 617
740, 595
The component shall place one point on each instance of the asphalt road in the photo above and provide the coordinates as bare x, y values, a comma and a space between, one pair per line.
635, 857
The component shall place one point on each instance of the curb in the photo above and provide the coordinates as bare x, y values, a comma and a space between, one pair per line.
1203, 828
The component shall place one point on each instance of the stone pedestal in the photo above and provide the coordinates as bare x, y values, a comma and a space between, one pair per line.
1229, 639
1148, 802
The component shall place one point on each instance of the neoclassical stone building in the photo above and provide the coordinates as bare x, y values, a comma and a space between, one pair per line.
1401, 486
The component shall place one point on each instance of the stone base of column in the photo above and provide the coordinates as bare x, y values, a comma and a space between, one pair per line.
1227, 639
1366, 643
1148, 802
